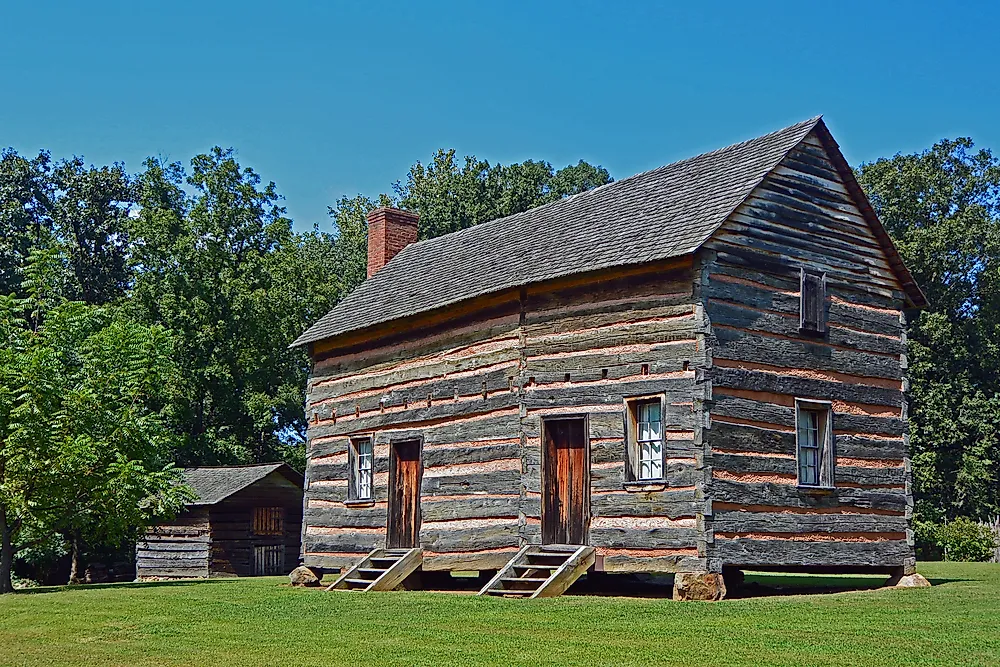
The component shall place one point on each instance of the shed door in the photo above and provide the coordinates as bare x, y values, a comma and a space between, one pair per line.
565, 496
403, 529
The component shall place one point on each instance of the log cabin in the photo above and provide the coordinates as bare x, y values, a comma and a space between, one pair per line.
245, 521
694, 370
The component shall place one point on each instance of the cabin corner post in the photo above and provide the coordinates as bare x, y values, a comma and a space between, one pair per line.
910, 562
704, 583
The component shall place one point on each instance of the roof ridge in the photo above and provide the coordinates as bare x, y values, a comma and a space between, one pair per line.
627, 179
234, 467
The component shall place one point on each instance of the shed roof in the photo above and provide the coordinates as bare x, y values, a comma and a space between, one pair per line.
667, 212
214, 484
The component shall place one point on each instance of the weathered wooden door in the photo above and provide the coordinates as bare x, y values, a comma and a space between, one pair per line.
565, 482
403, 525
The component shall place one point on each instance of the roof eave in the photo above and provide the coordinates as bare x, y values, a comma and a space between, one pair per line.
915, 297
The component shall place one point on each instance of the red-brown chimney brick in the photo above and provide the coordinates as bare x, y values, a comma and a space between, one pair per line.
389, 231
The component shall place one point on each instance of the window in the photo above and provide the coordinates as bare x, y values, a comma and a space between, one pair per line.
361, 469
812, 302
268, 521
269, 559
814, 443
644, 421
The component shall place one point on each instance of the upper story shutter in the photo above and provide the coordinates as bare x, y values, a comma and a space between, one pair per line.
812, 305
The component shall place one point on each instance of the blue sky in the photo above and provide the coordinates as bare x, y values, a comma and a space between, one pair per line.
336, 98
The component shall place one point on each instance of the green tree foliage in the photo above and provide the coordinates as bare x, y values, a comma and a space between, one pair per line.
450, 196
222, 269
942, 207
349, 258
84, 446
26, 193
966, 540
91, 217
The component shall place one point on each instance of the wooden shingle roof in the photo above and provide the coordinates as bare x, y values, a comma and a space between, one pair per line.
214, 484
667, 212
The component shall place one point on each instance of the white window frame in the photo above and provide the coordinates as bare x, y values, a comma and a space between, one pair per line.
814, 455
361, 485
649, 452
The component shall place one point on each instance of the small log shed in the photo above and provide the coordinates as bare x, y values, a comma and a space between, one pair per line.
246, 521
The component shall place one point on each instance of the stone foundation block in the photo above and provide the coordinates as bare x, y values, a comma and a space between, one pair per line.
699, 586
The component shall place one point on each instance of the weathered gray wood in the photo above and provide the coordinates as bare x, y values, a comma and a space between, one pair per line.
605, 394
735, 437
457, 539
758, 411
839, 314
745, 552
738, 378
671, 503
654, 538
500, 481
789, 495
805, 354
731, 315
772, 522
851, 474
666, 564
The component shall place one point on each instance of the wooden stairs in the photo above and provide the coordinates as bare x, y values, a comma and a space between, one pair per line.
381, 570
541, 571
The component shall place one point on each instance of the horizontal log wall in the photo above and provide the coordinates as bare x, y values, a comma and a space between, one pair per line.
803, 216
586, 349
176, 549
476, 388
233, 540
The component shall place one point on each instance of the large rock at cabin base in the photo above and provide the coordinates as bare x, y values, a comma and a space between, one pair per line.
699, 586
303, 576
914, 580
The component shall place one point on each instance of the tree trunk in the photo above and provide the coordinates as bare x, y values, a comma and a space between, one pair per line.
6, 553
75, 568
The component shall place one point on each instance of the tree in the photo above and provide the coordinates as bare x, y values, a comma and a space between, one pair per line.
91, 218
942, 208
84, 448
26, 194
449, 196
222, 269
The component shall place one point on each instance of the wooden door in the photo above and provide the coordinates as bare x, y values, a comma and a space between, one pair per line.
403, 525
565, 482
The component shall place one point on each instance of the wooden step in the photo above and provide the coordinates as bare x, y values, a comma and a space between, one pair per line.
380, 570
371, 572
562, 564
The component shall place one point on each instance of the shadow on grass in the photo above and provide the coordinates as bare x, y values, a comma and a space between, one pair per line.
121, 584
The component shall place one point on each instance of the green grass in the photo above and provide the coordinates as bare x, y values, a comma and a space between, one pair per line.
264, 622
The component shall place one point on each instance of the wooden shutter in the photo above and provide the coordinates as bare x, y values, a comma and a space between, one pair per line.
631, 449
812, 304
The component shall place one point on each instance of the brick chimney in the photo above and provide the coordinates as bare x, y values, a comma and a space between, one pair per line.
389, 231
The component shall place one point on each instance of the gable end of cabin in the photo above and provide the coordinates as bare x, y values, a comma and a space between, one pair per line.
806, 444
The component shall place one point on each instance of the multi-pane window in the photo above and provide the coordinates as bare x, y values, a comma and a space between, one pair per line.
645, 440
362, 467
649, 434
814, 443
267, 521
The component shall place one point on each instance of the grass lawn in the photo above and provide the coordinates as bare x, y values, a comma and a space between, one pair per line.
264, 622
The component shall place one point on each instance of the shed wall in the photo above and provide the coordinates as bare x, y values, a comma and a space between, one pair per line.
233, 540
176, 549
